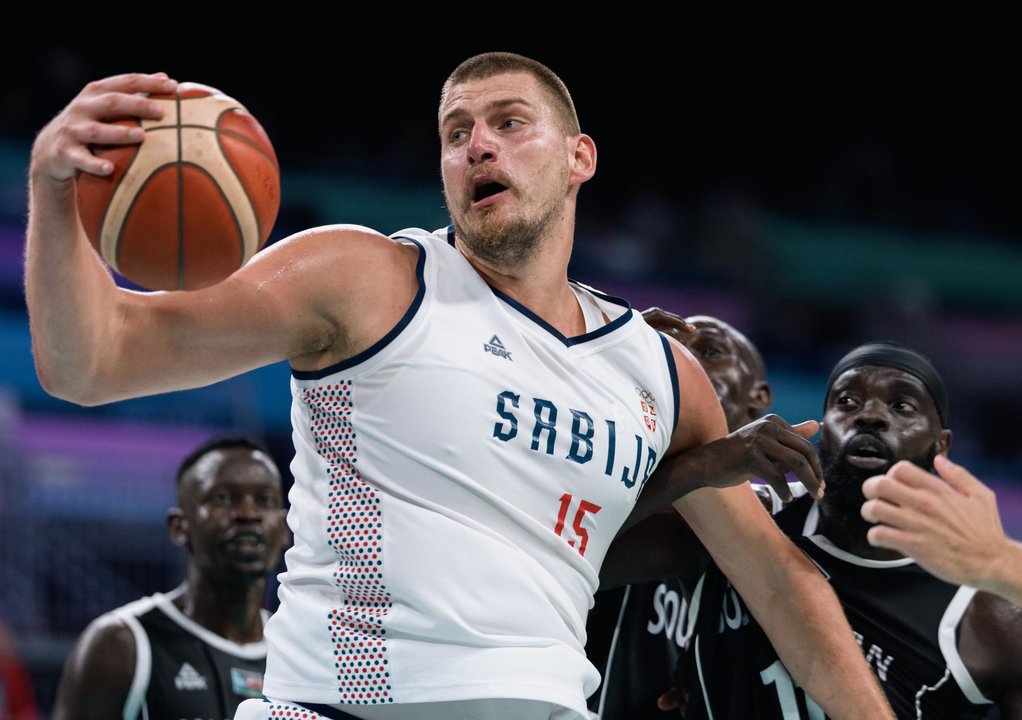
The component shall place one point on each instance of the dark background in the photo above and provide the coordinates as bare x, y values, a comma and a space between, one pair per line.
817, 178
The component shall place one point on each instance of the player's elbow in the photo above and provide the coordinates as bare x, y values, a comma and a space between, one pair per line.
71, 385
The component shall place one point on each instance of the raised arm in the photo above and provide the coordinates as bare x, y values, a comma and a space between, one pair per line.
787, 595
98, 673
949, 524
312, 299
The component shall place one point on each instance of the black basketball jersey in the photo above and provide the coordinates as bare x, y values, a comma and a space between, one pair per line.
184, 671
646, 633
904, 619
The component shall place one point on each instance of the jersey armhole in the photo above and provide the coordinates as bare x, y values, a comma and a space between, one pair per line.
134, 703
672, 369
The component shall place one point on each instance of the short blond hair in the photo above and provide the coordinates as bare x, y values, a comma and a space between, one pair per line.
485, 65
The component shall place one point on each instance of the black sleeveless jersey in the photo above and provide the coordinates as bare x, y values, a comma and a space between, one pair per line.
635, 637
182, 670
904, 619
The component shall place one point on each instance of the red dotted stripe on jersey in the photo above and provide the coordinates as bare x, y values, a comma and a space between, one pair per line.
355, 527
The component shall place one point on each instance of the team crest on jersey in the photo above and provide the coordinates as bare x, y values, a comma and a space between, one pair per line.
496, 347
247, 683
648, 405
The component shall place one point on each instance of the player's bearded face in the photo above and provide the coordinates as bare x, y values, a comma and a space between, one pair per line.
503, 238
844, 481
512, 227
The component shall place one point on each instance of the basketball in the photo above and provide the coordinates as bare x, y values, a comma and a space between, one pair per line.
190, 204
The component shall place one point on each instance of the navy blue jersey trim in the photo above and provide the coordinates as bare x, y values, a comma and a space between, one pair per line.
386, 339
568, 342
672, 368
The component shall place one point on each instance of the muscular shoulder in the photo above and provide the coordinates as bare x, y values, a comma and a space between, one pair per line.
98, 672
700, 417
357, 281
990, 645
343, 252
107, 638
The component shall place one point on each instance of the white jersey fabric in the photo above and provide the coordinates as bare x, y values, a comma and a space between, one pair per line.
456, 489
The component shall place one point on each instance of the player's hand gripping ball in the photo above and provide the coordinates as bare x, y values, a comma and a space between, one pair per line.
193, 202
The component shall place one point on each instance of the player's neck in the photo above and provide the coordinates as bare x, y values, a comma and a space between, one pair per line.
233, 612
540, 284
848, 532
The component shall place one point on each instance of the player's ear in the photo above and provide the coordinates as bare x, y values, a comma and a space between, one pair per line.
583, 164
760, 399
944, 442
177, 526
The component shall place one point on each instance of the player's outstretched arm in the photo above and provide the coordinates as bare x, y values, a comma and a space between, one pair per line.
98, 673
766, 448
784, 591
94, 342
950, 525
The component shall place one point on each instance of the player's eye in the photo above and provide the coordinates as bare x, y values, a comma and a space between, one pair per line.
847, 401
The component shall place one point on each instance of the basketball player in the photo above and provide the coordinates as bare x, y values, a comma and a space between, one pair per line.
940, 650
635, 634
197, 651
468, 442
948, 524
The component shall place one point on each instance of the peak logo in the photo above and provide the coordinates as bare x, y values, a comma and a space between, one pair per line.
496, 347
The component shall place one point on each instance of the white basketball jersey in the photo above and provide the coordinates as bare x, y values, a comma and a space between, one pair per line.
456, 489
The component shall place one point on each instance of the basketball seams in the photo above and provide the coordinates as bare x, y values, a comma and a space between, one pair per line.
142, 166
228, 203
207, 115
114, 234
179, 132
254, 146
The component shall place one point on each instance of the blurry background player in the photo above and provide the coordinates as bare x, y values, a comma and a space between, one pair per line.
636, 633
197, 651
940, 650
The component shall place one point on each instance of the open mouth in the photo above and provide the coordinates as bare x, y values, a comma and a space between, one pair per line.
867, 452
486, 188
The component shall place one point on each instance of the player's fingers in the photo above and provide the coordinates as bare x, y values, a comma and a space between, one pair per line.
798, 462
116, 106
891, 489
81, 159
882, 511
871, 487
807, 428
769, 472
100, 133
147, 83
884, 536
911, 475
805, 462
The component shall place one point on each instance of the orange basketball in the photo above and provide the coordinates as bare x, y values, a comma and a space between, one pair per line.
193, 202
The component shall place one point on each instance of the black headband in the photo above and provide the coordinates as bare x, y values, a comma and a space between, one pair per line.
893, 355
